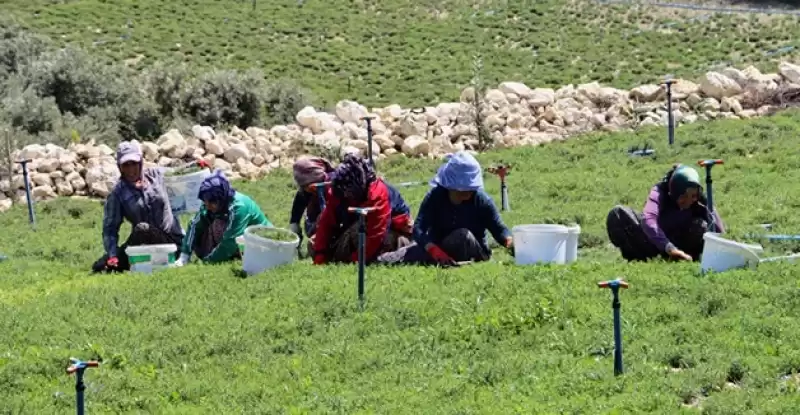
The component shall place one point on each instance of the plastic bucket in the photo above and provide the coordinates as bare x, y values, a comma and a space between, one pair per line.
572, 243
720, 254
183, 191
261, 254
540, 244
148, 258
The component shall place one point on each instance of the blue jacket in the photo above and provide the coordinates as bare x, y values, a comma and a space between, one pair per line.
438, 217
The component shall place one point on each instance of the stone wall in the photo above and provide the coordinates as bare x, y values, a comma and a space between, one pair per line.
515, 115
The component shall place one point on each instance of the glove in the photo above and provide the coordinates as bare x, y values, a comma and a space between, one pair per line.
183, 260
319, 259
510, 245
439, 255
295, 227
203, 164
112, 262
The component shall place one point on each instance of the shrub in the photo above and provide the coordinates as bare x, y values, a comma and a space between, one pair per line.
27, 111
164, 84
225, 98
284, 99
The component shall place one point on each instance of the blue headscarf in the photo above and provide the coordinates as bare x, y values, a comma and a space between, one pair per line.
216, 188
461, 172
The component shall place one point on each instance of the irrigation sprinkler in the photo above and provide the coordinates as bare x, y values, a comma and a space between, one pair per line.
502, 170
709, 164
668, 81
645, 151
362, 248
369, 119
615, 285
78, 367
31, 216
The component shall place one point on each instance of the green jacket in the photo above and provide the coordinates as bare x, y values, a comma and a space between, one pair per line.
242, 212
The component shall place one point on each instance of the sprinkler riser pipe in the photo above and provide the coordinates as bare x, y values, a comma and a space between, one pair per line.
79, 389
504, 195
618, 368
31, 216
369, 140
362, 231
670, 116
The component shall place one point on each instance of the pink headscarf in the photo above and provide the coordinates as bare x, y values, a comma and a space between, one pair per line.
311, 170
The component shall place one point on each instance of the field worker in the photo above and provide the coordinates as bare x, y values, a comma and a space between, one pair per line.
307, 172
672, 225
355, 184
139, 196
453, 219
224, 216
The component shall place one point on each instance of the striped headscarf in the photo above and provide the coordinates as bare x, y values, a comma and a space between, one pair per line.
353, 177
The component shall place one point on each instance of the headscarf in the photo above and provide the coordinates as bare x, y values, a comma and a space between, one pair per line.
311, 170
682, 179
128, 151
461, 172
216, 188
353, 176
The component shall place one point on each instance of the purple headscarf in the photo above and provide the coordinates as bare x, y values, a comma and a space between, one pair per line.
216, 188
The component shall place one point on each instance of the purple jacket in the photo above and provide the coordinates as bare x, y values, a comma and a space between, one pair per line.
662, 216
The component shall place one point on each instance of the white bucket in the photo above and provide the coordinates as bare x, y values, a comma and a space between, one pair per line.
540, 243
572, 243
183, 191
261, 253
148, 258
720, 254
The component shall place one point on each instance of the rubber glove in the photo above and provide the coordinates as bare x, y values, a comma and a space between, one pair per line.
183, 260
112, 262
295, 227
319, 259
439, 255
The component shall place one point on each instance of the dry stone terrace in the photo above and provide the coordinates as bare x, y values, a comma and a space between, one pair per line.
515, 114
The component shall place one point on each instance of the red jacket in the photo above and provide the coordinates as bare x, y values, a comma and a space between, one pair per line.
377, 222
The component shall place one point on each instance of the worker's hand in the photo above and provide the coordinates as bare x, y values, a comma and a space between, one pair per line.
319, 259
510, 245
203, 164
112, 262
295, 227
183, 260
676, 253
440, 256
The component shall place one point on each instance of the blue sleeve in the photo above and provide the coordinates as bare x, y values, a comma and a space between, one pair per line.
491, 216
298, 206
421, 224
112, 221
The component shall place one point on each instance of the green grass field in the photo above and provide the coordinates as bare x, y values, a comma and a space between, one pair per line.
415, 52
488, 338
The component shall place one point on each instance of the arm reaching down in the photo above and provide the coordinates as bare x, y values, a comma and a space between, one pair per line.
650, 223
112, 221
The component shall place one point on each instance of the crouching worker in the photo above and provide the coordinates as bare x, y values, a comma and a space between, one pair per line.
224, 216
307, 172
453, 219
672, 224
140, 197
355, 184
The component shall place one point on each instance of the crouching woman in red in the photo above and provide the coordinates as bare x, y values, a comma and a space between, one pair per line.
355, 184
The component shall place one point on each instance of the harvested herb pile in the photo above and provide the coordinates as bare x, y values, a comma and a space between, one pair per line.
276, 234
184, 171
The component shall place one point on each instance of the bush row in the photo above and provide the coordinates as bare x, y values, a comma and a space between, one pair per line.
58, 95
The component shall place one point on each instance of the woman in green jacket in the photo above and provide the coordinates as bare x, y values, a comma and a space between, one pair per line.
224, 216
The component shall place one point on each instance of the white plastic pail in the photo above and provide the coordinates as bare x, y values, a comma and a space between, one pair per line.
572, 243
262, 253
720, 254
183, 191
148, 258
540, 243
